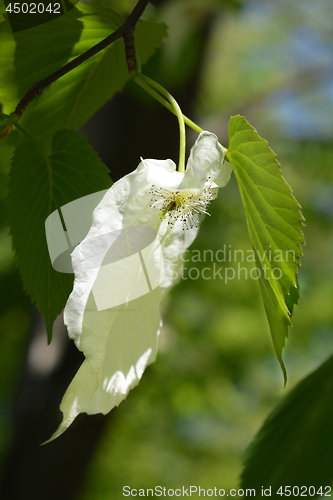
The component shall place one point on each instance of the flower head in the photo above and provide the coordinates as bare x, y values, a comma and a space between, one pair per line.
125, 265
184, 204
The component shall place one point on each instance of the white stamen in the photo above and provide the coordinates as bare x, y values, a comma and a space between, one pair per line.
184, 204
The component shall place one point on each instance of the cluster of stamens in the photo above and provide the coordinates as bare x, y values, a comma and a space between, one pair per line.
184, 204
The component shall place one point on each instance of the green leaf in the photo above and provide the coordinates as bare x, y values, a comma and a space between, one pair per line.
295, 445
39, 184
72, 99
274, 223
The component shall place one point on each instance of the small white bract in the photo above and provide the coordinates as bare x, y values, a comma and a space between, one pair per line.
129, 259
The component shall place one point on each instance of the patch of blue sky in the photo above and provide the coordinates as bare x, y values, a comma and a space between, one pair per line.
304, 115
293, 46
309, 47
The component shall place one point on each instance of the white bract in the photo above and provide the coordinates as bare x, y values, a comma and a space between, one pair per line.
127, 262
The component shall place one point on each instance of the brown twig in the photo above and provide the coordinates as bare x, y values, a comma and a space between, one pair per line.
125, 31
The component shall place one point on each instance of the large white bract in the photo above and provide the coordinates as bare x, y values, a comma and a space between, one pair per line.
129, 259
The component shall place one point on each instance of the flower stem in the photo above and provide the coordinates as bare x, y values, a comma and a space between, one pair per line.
167, 105
177, 111
163, 97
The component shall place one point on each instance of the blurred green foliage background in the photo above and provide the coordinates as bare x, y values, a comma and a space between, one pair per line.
216, 377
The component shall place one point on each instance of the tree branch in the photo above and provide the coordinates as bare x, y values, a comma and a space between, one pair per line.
125, 31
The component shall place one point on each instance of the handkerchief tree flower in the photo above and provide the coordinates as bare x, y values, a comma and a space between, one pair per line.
119, 342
